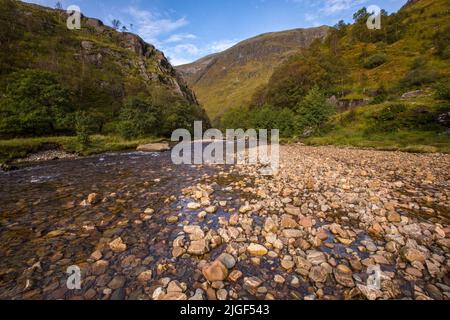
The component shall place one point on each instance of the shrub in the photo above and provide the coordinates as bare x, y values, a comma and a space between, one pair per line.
313, 111
374, 61
443, 90
394, 117
140, 117
83, 127
274, 118
419, 77
34, 104
381, 95
419, 74
235, 118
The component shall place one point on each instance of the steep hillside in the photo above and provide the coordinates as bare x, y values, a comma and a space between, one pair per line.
98, 66
230, 78
356, 64
387, 88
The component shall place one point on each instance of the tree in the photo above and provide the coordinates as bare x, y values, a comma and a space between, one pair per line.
274, 118
292, 81
34, 104
341, 27
58, 6
83, 125
235, 118
140, 117
313, 111
116, 24
361, 15
182, 115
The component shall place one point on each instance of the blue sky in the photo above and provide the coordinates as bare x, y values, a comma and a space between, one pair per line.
190, 29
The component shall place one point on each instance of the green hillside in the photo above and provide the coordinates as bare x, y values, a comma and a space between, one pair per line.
364, 73
230, 78
55, 81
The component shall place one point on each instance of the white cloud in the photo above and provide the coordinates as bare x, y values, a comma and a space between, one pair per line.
150, 25
333, 6
188, 52
178, 61
187, 48
180, 37
221, 45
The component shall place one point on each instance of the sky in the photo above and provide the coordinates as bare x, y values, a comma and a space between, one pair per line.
186, 30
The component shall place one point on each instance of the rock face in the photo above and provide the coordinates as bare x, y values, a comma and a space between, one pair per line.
249, 63
165, 73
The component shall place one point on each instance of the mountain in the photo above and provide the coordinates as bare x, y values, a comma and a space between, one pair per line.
99, 66
230, 78
355, 64
386, 88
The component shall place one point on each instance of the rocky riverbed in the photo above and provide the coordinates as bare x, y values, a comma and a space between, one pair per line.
140, 227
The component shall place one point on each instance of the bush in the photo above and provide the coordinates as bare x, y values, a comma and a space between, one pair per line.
418, 77
140, 117
395, 117
442, 43
236, 118
34, 104
274, 118
266, 117
374, 61
419, 74
83, 127
443, 90
313, 111
182, 116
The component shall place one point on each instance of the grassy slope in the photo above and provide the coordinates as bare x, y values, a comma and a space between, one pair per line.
351, 128
43, 41
235, 89
237, 72
426, 17
97, 63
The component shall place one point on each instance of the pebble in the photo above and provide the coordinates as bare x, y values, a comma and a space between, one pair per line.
257, 250
215, 271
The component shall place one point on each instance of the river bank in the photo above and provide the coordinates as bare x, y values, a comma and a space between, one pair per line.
140, 227
20, 150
